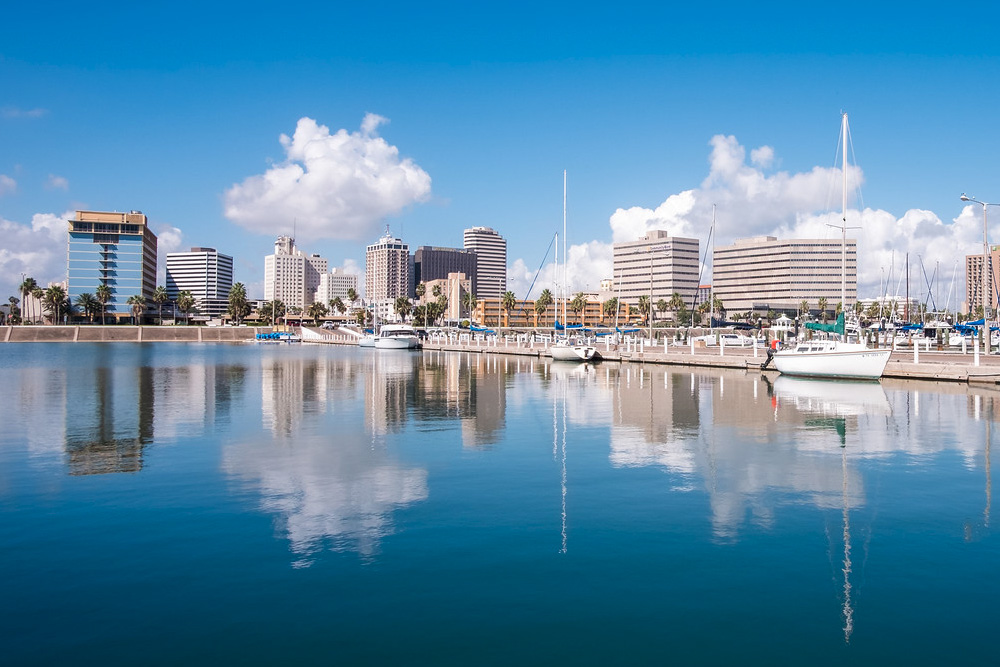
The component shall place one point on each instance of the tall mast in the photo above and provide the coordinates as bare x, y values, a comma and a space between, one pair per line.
843, 226
565, 259
711, 288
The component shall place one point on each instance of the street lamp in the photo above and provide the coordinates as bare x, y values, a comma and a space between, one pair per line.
987, 294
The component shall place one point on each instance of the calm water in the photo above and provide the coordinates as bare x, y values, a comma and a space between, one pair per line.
187, 504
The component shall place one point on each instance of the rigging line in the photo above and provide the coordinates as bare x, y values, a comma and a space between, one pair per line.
535, 278
701, 273
927, 283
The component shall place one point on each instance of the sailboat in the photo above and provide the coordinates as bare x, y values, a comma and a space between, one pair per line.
835, 358
564, 349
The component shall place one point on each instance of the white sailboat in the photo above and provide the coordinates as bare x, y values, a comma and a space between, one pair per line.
565, 349
835, 358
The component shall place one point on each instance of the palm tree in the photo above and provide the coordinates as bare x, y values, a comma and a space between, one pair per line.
470, 302
578, 305
160, 297
239, 307
644, 307
138, 304
545, 300
662, 306
337, 304
676, 303
38, 294
185, 302
27, 289
316, 310
610, 307
103, 297
822, 308
508, 301
15, 312
352, 296
89, 304
55, 301
403, 306
804, 308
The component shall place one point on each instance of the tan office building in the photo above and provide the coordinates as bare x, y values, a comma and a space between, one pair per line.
974, 281
763, 273
657, 264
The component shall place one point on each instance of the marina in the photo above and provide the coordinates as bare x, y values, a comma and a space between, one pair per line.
309, 503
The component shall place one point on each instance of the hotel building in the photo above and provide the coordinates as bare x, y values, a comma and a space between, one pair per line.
113, 249
762, 273
490, 277
204, 272
974, 281
335, 284
430, 263
387, 275
290, 276
656, 265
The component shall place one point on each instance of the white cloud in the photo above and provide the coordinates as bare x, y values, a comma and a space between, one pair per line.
37, 249
168, 239
56, 183
15, 112
7, 185
332, 186
753, 201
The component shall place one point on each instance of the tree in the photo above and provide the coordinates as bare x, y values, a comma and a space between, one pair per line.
610, 307
578, 305
662, 306
508, 301
160, 297
676, 303
27, 288
15, 312
185, 302
822, 308
545, 300
39, 295
239, 306
804, 308
337, 304
89, 304
54, 300
104, 298
138, 304
403, 306
352, 296
470, 302
540, 307
316, 310
644, 307
271, 311
437, 290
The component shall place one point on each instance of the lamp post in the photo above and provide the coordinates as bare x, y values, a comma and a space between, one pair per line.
987, 295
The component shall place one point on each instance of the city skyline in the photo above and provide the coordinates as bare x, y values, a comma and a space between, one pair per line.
444, 120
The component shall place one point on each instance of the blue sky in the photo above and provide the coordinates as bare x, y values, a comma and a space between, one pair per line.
433, 117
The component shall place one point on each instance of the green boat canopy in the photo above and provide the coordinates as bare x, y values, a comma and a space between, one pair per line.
837, 327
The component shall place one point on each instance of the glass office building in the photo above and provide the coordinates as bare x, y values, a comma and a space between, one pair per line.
113, 249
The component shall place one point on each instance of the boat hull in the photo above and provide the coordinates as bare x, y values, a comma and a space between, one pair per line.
572, 352
367, 341
396, 343
863, 363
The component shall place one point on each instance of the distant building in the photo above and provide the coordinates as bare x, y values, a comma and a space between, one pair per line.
432, 263
491, 261
974, 280
455, 288
387, 275
656, 265
113, 249
763, 273
335, 284
704, 295
204, 272
290, 276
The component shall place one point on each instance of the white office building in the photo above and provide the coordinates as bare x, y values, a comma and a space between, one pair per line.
291, 276
656, 265
491, 261
335, 284
387, 275
204, 272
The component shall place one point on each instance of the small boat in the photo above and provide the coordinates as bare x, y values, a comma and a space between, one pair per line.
397, 337
565, 350
277, 337
368, 340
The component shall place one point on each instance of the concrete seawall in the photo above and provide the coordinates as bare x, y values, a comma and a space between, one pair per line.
127, 334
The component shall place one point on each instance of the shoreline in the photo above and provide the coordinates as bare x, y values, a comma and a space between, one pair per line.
922, 365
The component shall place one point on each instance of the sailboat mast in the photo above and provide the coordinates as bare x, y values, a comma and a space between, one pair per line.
843, 226
711, 288
565, 257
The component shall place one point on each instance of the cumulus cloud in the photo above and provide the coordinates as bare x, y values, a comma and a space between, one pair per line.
168, 239
333, 186
7, 185
753, 200
56, 183
37, 249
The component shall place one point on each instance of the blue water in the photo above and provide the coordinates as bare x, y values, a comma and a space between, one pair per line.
207, 504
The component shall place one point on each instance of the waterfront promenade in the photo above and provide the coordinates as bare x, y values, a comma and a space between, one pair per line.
953, 366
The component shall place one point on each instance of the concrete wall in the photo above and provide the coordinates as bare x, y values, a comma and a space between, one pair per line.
129, 334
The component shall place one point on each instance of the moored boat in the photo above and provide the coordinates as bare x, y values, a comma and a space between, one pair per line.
397, 337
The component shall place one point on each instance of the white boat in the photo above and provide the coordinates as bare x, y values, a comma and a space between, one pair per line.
397, 337
368, 340
736, 340
834, 358
565, 350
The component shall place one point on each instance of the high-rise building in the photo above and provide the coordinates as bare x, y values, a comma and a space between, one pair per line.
431, 263
290, 276
335, 284
204, 272
491, 261
974, 281
113, 249
656, 265
387, 274
762, 273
